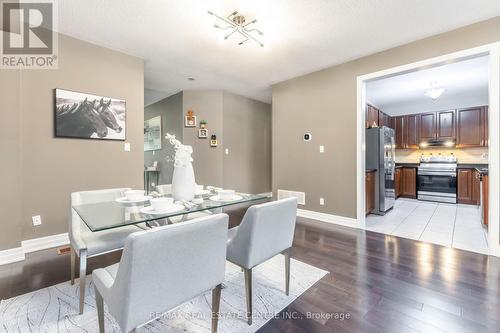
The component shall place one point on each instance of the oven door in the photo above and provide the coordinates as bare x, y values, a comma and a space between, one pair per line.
437, 186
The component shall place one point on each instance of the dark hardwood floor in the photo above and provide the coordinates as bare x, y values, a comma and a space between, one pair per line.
377, 283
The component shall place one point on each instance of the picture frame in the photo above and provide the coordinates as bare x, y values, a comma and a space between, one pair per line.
203, 133
152, 134
87, 116
190, 119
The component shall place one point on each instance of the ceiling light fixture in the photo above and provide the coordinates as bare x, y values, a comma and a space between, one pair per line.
434, 92
237, 24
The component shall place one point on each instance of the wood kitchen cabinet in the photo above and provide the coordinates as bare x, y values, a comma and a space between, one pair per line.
371, 116
428, 126
412, 135
397, 182
370, 191
399, 125
468, 186
446, 125
409, 182
471, 127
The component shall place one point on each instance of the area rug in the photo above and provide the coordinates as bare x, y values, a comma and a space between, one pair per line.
55, 309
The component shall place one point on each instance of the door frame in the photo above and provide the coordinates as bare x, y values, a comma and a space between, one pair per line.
493, 51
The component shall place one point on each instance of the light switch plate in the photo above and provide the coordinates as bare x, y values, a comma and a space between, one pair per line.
227, 151
37, 220
321, 201
321, 149
126, 146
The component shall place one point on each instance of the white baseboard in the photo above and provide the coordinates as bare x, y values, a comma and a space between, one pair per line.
11, 255
32, 245
341, 220
42, 243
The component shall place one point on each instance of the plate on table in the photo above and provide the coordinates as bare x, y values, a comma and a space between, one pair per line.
202, 192
171, 209
125, 200
217, 198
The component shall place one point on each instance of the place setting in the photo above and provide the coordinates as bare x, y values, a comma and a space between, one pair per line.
134, 196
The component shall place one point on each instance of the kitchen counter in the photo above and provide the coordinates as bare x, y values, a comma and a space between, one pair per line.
407, 165
481, 168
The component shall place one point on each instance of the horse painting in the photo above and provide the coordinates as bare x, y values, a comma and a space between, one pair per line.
80, 120
88, 116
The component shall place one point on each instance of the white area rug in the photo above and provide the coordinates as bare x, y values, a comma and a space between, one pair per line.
55, 309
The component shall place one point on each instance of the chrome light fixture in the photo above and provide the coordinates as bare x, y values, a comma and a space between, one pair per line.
236, 24
434, 92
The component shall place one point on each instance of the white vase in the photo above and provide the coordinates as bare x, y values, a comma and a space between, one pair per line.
183, 183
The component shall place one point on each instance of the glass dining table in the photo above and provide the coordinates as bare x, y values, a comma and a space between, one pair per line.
114, 214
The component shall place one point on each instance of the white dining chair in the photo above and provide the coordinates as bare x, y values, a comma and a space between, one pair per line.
161, 269
85, 243
265, 231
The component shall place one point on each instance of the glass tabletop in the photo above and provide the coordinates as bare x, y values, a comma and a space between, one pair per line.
113, 214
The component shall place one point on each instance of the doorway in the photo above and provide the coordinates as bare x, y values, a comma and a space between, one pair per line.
489, 52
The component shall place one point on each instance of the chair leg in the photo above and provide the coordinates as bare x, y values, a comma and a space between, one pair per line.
73, 263
248, 288
100, 310
215, 306
287, 253
83, 273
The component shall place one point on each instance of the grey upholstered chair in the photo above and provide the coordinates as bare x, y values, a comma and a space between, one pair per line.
84, 242
162, 268
265, 231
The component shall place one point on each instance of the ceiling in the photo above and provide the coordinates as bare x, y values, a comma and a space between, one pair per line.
177, 40
466, 84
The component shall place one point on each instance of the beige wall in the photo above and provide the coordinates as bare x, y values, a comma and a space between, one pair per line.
247, 135
49, 168
324, 103
207, 105
243, 126
170, 110
464, 155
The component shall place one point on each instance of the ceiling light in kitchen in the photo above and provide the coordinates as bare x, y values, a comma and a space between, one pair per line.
434, 91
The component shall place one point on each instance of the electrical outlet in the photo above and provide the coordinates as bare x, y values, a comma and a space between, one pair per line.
126, 146
37, 220
321, 149
227, 151
321, 201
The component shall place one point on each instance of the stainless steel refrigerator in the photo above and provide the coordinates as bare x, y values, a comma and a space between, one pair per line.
380, 155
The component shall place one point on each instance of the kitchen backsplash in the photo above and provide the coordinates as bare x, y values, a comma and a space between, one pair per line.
464, 155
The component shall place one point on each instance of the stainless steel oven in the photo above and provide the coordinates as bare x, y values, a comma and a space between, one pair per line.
437, 179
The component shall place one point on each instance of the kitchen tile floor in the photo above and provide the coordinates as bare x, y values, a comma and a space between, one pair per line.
453, 225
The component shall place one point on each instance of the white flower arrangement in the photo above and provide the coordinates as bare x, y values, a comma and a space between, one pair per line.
182, 152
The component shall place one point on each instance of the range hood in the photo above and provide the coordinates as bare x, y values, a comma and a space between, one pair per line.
446, 143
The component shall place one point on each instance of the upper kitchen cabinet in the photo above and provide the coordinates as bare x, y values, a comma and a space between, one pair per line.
412, 137
428, 126
446, 125
399, 125
375, 117
371, 116
472, 126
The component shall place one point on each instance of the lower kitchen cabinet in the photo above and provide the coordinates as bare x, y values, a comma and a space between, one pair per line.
468, 186
397, 182
409, 186
370, 191
408, 182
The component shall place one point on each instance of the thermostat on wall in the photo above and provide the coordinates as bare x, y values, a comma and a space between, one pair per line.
307, 137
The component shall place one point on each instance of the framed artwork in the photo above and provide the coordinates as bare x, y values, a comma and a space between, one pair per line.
203, 133
87, 116
190, 119
152, 134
